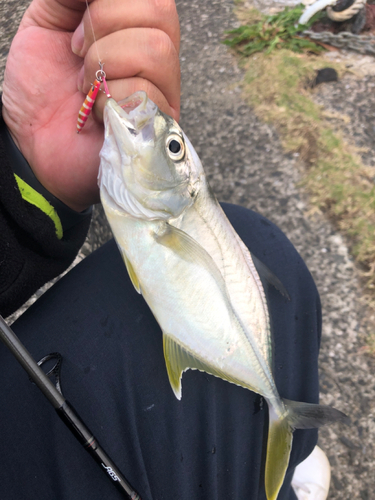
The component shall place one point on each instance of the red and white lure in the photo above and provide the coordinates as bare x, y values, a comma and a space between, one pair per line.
100, 77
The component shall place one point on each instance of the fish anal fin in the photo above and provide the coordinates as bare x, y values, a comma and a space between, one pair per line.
178, 359
175, 362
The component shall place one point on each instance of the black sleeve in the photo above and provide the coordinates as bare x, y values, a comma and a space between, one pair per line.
32, 250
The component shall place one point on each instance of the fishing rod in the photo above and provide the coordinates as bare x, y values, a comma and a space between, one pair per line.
64, 409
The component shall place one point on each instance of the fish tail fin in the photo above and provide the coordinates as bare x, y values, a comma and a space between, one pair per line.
280, 437
279, 444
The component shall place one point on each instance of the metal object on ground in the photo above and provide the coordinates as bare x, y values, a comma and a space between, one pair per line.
364, 44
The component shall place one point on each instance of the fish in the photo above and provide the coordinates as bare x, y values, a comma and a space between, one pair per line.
179, 249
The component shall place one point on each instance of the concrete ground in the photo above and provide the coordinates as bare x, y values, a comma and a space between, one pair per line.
246, 165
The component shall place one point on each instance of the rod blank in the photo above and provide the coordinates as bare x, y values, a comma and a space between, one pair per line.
65, 411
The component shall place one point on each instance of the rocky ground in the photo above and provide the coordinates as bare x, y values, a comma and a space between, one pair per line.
246, 165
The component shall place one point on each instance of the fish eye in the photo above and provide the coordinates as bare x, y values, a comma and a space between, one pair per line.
175, 147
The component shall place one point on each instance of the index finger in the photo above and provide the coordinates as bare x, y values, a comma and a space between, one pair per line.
60, 15
109, 17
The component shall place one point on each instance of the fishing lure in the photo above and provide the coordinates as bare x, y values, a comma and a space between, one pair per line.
100, 77
88, 104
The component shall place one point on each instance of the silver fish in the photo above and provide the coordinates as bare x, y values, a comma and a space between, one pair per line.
179, 249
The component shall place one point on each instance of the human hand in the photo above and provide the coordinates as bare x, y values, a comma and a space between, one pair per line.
138, 43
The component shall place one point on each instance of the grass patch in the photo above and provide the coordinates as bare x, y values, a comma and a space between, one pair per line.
259, 32
276, 87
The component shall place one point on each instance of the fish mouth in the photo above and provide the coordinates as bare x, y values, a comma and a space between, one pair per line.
137, 100
130, 119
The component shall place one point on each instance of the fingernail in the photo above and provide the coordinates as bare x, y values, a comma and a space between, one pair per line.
78, 39
80, 78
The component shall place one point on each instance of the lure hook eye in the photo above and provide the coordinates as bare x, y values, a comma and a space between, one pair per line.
100, 75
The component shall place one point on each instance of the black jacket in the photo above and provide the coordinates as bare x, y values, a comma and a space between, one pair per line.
31, 253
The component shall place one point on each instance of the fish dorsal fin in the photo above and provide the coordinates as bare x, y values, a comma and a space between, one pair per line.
178, 359
132, 275
266, 274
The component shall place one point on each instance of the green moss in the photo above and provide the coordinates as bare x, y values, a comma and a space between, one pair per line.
330, 141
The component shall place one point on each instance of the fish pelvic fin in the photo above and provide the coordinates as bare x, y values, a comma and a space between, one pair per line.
132, 275
280, 437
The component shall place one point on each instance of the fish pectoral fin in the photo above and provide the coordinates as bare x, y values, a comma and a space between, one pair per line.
266, 274
132, 275
188, 249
